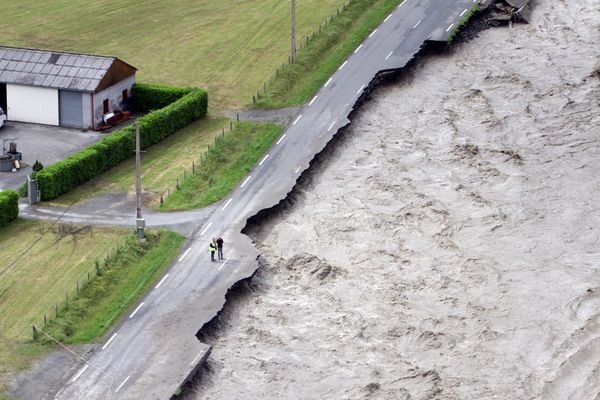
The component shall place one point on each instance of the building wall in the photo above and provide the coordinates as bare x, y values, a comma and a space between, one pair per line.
32, 104
114, 94
87, 111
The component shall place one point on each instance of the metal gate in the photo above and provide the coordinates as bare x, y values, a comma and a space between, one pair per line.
70, 105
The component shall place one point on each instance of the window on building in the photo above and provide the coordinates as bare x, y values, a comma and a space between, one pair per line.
105, 107
125, 95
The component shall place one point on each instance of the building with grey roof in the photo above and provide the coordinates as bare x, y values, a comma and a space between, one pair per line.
58, 88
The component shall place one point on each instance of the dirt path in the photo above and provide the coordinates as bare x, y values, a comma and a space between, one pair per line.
448, 246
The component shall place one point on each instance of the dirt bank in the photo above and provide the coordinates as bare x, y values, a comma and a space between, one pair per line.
448, 247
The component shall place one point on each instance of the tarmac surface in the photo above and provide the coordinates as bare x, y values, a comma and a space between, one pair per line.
47, 144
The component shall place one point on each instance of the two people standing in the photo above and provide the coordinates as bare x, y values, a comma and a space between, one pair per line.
216, 246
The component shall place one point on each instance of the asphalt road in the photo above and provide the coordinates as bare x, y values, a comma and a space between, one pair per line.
154, 348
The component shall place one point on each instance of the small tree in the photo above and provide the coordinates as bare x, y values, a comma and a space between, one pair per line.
37, 166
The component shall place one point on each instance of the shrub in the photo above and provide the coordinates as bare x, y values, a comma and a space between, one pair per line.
78, 168
9, 206
148, 97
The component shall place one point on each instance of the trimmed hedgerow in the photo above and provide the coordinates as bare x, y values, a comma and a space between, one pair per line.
9, 206
78, 168
147, 96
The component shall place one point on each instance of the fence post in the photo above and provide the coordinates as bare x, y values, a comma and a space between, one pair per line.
184, 175
253, 99
35, 333
238, 117
78, 287
45, 320
193, 168
67, 297
161, 200
230, 126
177, 185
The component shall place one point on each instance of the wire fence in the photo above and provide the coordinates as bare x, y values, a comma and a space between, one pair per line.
196, 165
72, 294
304, 42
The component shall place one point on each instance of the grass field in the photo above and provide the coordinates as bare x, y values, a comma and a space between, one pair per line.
162, 164
39, 280
230, 47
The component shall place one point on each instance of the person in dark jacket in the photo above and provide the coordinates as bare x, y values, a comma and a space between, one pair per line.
212, 247
220, 248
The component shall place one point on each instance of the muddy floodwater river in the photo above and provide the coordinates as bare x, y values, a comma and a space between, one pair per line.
447, 246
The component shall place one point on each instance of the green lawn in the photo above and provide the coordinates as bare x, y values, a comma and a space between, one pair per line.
162, 165
226, 164
231, 46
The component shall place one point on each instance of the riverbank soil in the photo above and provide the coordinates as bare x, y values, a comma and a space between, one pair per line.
446, 247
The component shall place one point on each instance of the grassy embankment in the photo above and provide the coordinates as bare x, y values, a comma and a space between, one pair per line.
326, 51
463, 21
231, 46
59, 257
225, 165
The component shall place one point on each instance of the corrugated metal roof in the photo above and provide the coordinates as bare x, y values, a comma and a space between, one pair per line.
52, 69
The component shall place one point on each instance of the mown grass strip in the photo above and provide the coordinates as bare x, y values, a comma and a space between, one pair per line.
124, 278
298, 82
224, 165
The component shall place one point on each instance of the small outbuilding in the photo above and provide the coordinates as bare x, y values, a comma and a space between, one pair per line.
58, 88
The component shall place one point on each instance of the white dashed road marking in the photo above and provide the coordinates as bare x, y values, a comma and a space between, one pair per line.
246, 181
205, 229
330, 126
109, 340
280, 139
225, 262
161, 281
372, 33
297, 119
195, 359
450, 27
184, 254
136, 310
361, 88
121, 385
388, 56
386, 18
463, 13
343, 65
81, 371
357, 49
263, 160
313, 100
328, 82
226, 204
417, 24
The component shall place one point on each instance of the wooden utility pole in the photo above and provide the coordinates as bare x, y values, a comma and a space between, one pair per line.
293, 49
139, 222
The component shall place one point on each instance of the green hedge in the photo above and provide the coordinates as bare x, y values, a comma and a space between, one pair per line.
78, 168
148, 97
9, 206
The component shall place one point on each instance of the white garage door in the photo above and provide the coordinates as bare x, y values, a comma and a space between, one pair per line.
32, 104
